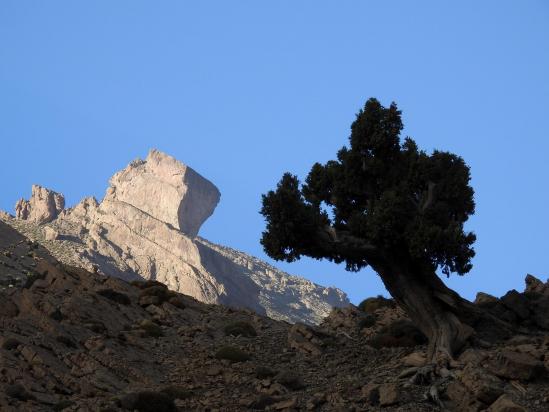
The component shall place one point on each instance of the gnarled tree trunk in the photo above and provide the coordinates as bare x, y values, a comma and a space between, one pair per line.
441, 314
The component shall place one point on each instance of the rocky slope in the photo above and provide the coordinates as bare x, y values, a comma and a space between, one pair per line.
73, 340
146, 228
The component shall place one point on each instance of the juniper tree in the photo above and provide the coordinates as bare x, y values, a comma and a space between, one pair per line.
386, 204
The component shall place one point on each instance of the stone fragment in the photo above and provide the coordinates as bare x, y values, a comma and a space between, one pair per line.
514, 365
388, 394
305, 339
50, 233
462, 400
483, 386
505, 404
414, 359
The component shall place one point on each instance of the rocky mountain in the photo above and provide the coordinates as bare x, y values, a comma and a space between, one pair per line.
146, 228
73, 340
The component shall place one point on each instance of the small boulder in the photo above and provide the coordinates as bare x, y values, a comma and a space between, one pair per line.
148, 401
483, 386
505, 404
233, 354
388, 394
514, 365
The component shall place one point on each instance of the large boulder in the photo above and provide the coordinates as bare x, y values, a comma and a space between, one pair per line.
167, 190
43, 206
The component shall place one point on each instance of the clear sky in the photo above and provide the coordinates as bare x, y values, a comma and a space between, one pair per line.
243, 91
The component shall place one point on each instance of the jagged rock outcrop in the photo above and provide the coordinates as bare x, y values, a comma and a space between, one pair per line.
43, 206
146, 228
167, 190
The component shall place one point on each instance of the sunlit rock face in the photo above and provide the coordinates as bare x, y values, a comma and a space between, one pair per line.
146, 228
167, 190
43, 206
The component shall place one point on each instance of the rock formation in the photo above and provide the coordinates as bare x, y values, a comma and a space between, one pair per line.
73, 340
43, 206
146, 228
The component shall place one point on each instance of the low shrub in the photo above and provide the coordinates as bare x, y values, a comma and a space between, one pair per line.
242, 328
148, 401
151, 328
232, 354
115, 296
370, 305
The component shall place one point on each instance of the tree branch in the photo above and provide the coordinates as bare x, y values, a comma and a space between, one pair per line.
341, 242
430, 197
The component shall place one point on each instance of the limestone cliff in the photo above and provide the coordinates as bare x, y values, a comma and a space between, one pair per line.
146, 227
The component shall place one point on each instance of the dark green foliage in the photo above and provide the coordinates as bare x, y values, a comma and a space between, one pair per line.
18, 391
177, 392
161, 292
144, 284
96, 326
401, 333
370, 305
178, 302
262, 372
10, 343
151, 328
148, 401
367, 321
290, 379
61, 405
232, 354
242, 328
33, 277
388, 201
115, 296
65, 340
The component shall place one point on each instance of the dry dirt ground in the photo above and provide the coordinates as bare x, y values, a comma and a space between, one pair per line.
76, 341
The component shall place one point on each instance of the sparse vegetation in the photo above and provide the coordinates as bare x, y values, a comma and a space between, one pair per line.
148, 401
151, 328
232, 354
370, 305
115, 296
241, 328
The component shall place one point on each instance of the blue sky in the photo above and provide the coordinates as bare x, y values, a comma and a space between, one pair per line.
243, 91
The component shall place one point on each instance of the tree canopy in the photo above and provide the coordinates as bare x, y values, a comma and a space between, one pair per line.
381, 199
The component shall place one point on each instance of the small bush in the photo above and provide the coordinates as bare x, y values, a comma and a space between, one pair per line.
10, 344
148, 401
61, 405
144, 284
242, 328
290, 379
367, 321
177, 392
151, 328
65, 340
262, 372
232, 354
401, 333
178, 302
115, 296
370, 305
18, 391
159, 291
